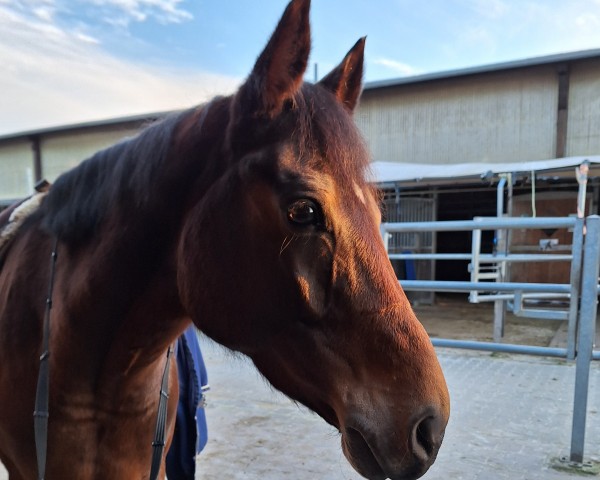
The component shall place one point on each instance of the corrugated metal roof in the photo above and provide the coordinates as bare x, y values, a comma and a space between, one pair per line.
524, 63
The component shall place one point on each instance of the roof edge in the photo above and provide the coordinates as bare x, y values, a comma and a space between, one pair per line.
494, 67
140, 118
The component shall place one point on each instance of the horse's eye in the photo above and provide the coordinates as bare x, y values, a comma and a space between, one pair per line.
303, 213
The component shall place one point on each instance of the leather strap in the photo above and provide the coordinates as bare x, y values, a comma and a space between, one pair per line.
158, 445
41, 412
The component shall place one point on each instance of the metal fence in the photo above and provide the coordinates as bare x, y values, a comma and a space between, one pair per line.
582, 292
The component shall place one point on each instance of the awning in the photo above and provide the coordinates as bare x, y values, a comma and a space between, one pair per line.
390, 172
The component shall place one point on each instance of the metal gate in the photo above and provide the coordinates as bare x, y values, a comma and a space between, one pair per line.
582, 291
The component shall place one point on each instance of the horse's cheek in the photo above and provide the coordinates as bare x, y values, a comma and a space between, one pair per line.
312, 267
197, 253
216, 271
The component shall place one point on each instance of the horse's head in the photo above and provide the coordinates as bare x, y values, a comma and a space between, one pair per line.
282, 260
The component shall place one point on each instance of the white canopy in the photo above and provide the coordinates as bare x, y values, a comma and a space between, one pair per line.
384, 172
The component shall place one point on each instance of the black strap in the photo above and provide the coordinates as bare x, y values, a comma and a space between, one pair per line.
40, 414
158, 445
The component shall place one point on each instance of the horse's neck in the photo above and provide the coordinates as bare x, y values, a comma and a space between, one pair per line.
123, 297
112, 324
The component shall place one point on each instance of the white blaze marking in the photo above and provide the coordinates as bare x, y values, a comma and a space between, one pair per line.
359, 193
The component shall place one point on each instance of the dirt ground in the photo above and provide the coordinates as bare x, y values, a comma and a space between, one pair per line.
452, 316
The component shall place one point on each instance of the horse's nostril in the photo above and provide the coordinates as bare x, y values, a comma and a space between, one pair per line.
426, 438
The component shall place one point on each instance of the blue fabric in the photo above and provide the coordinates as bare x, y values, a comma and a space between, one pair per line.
191, 433
409, 268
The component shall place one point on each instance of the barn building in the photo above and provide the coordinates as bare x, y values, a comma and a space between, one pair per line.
439, 141
440, 144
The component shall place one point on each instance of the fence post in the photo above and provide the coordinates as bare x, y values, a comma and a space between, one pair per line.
385, 236
575, 279
585, 339
474, 265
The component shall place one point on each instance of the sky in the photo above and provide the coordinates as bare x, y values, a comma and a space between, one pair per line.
71, 61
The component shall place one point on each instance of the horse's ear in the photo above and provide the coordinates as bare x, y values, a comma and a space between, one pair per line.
278, 72
345, 80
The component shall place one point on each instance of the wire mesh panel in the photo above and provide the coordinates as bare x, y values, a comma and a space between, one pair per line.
411, 209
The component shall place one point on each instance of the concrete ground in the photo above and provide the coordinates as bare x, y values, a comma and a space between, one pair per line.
511, 416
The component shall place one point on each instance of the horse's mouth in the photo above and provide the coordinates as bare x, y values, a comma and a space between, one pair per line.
361, 456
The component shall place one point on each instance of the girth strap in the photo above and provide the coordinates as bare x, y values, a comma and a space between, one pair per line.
40, 414
158, 445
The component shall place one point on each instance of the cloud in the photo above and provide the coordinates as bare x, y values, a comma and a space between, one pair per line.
399, 68
482, 36
588, 20
491, 9
490, 31
164, 11
54, 76
44, 13
572, 25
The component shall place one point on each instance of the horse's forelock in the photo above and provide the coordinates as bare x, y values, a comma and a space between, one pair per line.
327, 135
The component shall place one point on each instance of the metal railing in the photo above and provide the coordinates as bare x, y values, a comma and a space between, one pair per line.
582, 292
514, 292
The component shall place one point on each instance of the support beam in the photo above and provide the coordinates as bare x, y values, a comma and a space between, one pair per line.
563, 110
587, 332
37, 158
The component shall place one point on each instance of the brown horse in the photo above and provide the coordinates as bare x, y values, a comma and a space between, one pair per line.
250, 216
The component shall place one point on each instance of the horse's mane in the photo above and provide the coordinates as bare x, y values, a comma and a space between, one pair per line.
121, 178
112, 178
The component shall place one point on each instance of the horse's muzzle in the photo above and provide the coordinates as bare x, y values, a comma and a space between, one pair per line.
406, 456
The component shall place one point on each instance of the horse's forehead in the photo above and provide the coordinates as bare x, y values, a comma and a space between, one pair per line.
307, 167
303, 163
307, 159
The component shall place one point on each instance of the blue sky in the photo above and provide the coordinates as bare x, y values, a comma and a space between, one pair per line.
67, 61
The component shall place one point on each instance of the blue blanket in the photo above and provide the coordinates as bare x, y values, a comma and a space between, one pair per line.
191, 434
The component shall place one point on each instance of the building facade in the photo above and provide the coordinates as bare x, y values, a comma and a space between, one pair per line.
524, 111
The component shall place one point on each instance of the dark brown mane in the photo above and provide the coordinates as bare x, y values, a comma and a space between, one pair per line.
118, 177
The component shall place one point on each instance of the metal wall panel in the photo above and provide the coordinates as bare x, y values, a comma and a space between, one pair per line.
60, 152
497, 117
16, 170
583, 127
